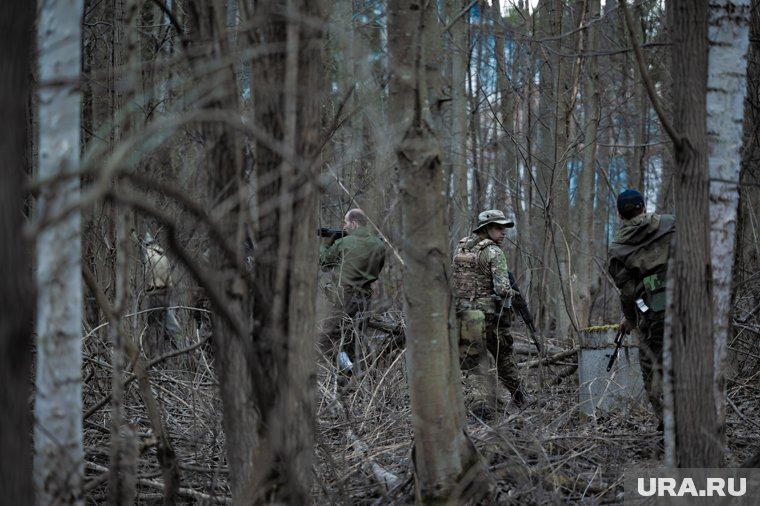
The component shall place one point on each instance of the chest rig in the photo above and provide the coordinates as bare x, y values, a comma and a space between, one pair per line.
471, 281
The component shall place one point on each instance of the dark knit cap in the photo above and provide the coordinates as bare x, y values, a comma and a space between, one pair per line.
629, 203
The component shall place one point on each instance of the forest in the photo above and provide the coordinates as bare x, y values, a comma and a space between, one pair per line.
175, 173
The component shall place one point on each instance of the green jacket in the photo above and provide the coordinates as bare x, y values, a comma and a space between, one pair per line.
356, 259
641, 247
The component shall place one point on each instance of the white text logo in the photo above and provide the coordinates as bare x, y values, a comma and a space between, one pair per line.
713, 487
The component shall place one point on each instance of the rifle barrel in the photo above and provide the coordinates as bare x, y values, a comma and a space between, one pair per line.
618, 344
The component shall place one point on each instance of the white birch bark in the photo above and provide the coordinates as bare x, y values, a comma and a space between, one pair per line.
58, 466
728, 36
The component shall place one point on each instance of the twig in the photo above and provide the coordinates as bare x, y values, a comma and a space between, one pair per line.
186, 492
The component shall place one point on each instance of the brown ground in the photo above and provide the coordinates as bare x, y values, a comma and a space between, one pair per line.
545, 454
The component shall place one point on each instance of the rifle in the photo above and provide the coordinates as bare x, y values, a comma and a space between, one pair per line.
521, 306
618, 344
334, 233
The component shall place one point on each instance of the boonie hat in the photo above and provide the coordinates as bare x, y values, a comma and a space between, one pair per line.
492, 216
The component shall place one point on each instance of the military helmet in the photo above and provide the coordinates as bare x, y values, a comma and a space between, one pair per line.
492, 216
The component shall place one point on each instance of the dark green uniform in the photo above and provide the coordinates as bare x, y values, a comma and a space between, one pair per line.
480, 275
638, 259
356, 261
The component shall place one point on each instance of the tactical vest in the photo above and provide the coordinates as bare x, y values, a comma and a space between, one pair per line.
470, 281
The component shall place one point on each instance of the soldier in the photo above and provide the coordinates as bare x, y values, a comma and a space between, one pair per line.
356, 260
483, 294
162, 322
638, 261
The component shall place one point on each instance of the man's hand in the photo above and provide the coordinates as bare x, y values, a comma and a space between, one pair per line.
626, 325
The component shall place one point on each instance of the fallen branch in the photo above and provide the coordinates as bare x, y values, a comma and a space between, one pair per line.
185, 492
551, 359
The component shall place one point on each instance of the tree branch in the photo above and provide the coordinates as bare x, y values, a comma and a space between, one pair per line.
677, 139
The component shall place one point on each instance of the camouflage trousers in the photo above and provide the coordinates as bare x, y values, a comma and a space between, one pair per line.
163, 326
498, 342
650, 359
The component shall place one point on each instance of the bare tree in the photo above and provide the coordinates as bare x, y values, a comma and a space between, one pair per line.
458, 129
688, 327
59, 459
287, 101
17, 290
222, 160
586, 191
446, 462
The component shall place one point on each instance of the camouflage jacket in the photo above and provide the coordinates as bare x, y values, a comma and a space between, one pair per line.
356, 259
641, 247
157, 268
479, 272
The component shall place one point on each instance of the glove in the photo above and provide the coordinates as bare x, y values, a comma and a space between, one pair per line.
626, 325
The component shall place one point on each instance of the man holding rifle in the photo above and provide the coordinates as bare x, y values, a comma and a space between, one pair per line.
484, 297
355, 256
638, 258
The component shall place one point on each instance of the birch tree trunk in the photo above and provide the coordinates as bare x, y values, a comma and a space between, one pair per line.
728, 33
59, 459
446, 462
16, 290
689, 326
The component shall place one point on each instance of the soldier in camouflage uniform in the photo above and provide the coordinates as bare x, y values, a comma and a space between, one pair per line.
356, 261
638, 259
163, 326
481, 287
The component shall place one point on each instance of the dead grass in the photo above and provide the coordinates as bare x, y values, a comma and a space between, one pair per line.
548, 453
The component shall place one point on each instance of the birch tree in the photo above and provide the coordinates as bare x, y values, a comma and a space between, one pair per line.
16, 290
446, 462
59, 466
728, 33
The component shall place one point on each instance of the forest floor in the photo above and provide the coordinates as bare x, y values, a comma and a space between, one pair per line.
546, 453
550, 452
